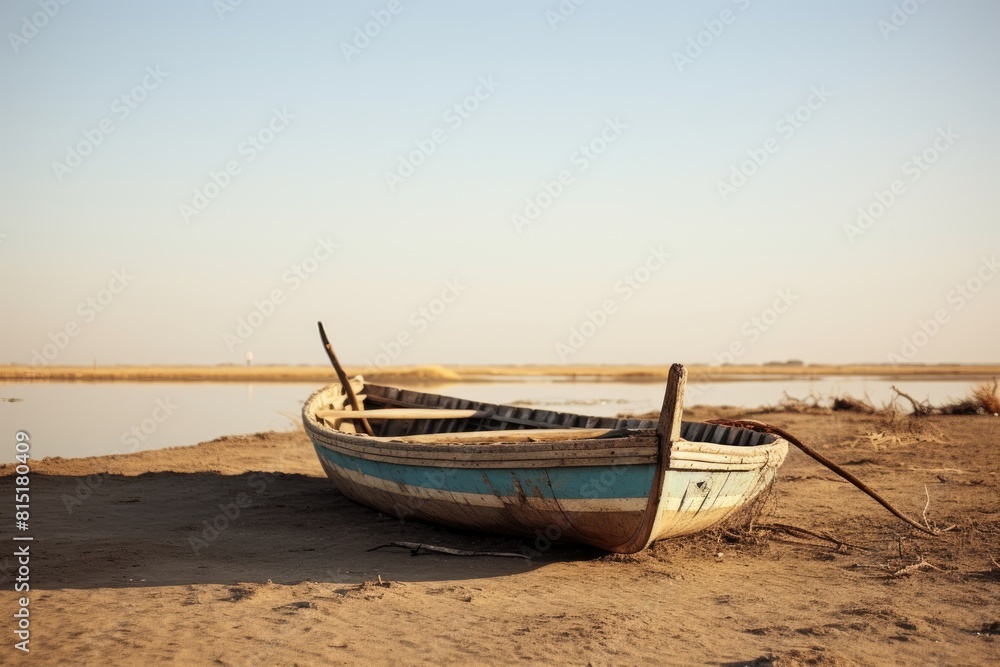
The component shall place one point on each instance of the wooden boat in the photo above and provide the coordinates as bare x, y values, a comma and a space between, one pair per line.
617, 484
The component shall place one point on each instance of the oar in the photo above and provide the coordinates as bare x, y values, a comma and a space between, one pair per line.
344, 382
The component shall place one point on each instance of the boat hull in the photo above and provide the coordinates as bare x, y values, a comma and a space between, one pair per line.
618, 493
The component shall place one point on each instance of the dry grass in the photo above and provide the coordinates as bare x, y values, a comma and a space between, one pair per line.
429, 373
987, 396
984, 399
225, 373
814, 404
895, 429
848, 403
966, 406
811, 405
902, 421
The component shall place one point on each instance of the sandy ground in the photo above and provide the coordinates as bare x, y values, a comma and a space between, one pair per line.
124, 571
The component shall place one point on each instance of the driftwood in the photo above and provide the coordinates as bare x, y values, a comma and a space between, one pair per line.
799, 532
416, 547
910, 569
919, 409
767, 428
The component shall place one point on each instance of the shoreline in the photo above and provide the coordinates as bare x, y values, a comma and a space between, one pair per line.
432, 374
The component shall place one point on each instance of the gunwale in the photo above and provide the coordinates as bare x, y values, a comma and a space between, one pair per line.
638, 441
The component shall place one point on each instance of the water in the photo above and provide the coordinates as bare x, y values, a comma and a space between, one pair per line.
92, 419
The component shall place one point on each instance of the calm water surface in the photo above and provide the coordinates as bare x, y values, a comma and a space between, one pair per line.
90, 419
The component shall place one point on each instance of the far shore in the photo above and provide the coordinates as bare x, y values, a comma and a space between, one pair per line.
435, 374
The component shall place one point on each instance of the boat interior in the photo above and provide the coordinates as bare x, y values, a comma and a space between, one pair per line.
496, 418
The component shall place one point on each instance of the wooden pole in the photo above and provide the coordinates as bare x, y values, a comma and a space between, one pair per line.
668, 429
344, 382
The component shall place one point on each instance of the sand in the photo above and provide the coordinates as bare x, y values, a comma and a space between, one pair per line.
124, 572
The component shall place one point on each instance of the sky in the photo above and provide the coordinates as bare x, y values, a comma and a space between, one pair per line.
517, 182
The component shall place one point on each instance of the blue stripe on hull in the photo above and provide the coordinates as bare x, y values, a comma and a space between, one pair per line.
626, 481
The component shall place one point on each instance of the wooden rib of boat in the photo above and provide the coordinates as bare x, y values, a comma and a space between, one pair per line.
616, 484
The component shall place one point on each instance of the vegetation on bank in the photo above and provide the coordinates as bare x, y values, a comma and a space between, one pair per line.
485, 373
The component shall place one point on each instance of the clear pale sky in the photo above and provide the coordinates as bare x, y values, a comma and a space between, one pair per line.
674, 126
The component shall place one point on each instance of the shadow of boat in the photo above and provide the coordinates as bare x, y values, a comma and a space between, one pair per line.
168, 529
